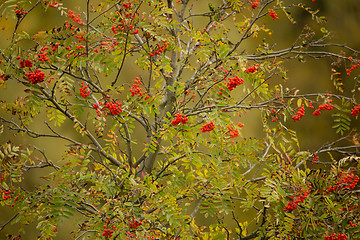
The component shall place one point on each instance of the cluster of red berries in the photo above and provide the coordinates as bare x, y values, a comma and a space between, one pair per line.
315, 158
346, 181
80, 37
310, 105
179, 118
69, 26
293, 204
351, 69
326, 106
53, 4
15, 200
232, 132
75, 52
353, 224
300, 113
336, 236
234, 82
55, 47
97, 107
6, 194
207, 127
20, 13
121, 27
252, 69
107, 231
25, 63
35, 77
75, 18
127, 5
42, 55
113, 107
273, 14
160, 50
255, 3
134, 224
136, 89
355, 111
125, 22
2, 177
84, 92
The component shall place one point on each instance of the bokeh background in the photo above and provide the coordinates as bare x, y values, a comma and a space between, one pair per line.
343, 19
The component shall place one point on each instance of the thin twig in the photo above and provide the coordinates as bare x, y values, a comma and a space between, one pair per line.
8, 221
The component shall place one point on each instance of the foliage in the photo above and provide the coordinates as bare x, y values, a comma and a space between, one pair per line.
150, 154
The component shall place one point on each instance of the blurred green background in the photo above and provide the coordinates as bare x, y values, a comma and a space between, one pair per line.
343, 19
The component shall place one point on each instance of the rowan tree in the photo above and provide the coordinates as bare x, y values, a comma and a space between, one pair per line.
150, 153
